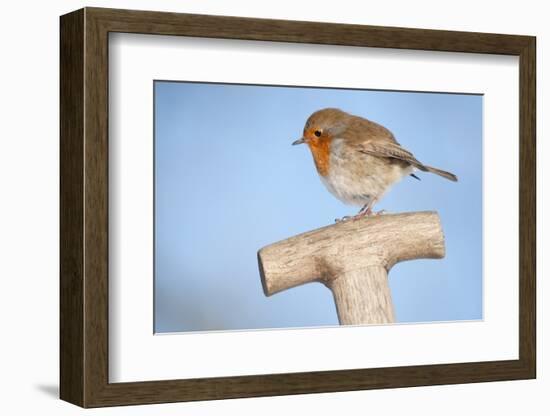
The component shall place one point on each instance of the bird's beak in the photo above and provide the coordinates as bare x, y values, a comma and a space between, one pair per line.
299, 141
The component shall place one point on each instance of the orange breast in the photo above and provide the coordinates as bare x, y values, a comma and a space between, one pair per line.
320, 149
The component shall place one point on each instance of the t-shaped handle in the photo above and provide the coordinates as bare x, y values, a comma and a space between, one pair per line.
353, 259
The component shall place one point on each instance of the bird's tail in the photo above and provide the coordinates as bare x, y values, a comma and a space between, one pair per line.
446, 175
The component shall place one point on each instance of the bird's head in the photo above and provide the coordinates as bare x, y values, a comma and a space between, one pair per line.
320, 129
323, 126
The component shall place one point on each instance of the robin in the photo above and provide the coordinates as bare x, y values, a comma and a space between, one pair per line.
357, 159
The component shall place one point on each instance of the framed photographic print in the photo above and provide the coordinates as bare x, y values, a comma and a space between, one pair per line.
255, 207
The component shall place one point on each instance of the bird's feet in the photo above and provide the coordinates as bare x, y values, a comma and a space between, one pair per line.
344, 219
361, 214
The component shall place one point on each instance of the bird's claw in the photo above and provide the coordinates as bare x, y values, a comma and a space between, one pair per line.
343, 219
360, 215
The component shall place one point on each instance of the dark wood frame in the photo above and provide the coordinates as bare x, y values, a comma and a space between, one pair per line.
84, 207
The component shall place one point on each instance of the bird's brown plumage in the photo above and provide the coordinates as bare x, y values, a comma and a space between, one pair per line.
356, 158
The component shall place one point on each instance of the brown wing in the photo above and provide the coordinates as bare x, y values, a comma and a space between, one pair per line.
376, 140
385, 148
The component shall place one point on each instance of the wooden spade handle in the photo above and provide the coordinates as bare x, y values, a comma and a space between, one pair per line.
353, 259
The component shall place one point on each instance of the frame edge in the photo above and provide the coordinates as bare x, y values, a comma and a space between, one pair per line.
528, 208
71, 290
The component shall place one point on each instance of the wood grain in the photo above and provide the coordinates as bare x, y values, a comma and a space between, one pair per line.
352, 259
363, 297
528, 209
71, 319
84, 215
324, 254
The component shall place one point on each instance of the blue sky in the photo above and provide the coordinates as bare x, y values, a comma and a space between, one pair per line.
228, 182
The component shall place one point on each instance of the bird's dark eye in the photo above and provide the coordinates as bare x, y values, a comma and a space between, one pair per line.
318, 133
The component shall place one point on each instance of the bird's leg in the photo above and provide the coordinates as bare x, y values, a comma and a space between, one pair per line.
362, 212
365, 211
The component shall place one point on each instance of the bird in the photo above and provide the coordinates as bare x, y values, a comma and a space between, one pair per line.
358, 160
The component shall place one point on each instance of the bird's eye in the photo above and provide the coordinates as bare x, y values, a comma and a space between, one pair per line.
318, 133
